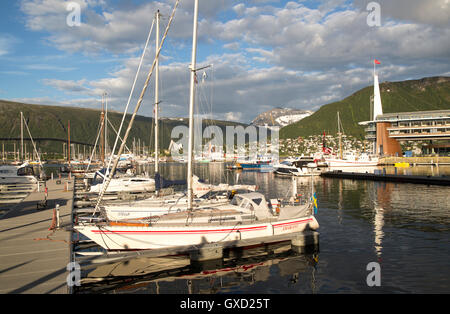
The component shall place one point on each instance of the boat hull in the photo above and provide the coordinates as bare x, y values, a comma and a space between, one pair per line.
348, 163
18, 180
160, 237
125, 186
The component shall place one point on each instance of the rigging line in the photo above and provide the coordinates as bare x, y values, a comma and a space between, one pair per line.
115, 131
95, 145
116, 161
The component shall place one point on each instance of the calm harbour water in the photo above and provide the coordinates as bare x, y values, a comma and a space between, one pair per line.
402, 227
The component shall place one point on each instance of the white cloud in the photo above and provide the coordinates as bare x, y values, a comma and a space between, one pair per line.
282, 55
7, 43
233, 116
430, 12
68, 86
303, 38
48, 67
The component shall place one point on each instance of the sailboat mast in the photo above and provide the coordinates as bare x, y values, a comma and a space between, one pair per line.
191, 108
106, 123
68, 140
102, 136
21, 135
157, 95
340, 136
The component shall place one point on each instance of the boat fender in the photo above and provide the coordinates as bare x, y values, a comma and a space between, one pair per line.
275, 203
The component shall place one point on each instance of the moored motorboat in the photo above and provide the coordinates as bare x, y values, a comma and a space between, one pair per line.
263, 164
23, 174
303, 166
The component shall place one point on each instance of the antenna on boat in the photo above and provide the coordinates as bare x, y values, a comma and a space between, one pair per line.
21, 135
340, 135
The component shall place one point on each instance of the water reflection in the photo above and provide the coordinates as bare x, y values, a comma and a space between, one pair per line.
252, 269
406, 226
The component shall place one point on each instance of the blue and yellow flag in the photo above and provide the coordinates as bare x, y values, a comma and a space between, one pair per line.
314, 200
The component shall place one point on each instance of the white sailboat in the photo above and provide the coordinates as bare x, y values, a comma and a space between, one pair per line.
204, 195
22, 173
125, 183
122, 184
349, 159
247, 216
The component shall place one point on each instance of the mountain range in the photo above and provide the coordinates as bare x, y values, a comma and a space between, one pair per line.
51, 122
431, 93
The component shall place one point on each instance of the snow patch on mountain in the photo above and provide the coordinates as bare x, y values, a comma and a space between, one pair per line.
281, 117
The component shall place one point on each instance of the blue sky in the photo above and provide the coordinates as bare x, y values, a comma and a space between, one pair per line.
298, 54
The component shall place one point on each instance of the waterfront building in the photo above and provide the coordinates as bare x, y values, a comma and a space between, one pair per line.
386, 131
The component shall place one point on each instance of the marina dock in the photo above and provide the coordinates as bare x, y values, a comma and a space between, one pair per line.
397, 178
33, 258
36, 251
416, 161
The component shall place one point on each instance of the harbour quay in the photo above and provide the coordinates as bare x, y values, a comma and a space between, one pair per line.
35, 244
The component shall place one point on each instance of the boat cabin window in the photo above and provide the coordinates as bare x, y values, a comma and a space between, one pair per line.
238, 201
257, 200
245, 203
25, 171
